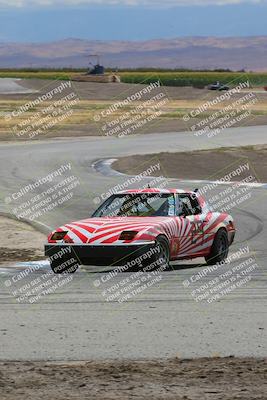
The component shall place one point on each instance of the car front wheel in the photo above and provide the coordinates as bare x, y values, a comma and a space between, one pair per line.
160, 257
220, 248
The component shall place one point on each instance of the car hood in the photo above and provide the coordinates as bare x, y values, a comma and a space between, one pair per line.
108, 230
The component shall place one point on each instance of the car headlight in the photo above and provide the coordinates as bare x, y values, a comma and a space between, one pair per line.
128, 235
58, 235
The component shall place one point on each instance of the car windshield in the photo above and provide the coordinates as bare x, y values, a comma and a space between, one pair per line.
138, 205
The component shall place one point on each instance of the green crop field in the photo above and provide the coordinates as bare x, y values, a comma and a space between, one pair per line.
196, 79
171, 78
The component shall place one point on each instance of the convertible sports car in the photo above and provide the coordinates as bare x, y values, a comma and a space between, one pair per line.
148, 225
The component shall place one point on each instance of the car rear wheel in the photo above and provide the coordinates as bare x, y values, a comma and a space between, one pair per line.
220, 248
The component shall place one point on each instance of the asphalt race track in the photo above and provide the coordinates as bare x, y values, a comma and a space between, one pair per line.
76, 322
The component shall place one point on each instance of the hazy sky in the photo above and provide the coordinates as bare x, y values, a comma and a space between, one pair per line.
47, 20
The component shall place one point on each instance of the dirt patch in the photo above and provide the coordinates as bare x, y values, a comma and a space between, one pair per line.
215, 378
200, 164
20, 242
106, 91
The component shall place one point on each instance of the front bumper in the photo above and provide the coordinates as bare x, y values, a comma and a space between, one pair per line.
103, 255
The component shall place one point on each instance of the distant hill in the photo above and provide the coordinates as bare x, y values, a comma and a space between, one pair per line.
235, 53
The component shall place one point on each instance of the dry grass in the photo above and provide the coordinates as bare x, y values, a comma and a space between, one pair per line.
84, 111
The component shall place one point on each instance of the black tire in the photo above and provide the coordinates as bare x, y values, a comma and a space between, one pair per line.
160, 257
220, 248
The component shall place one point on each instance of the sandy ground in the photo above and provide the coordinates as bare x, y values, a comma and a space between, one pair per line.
20, 242
106, 91
215, 378
200, 164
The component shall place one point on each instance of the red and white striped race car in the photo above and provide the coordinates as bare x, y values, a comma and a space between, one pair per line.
145, 225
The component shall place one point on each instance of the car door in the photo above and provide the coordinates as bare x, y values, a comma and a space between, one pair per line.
192, 220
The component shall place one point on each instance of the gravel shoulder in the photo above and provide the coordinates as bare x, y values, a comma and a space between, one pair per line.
180, 379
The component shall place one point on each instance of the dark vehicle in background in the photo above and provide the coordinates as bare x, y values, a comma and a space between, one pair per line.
218, 86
